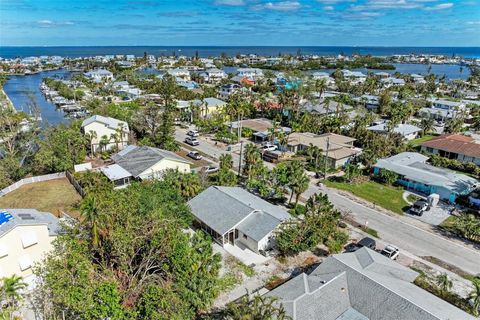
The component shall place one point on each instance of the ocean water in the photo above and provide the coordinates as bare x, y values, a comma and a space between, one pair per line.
204, 51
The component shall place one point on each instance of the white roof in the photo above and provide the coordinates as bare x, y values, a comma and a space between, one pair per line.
403, 129
115, 172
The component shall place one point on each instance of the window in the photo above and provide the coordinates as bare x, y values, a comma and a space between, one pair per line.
3, 250
29, 239
25, 262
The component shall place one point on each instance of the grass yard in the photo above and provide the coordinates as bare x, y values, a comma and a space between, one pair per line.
387, 197
51, 196
418, 141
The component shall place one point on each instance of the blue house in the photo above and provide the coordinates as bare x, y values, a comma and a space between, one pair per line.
415, 174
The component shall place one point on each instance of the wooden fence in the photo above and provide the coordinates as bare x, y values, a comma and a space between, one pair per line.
75, 183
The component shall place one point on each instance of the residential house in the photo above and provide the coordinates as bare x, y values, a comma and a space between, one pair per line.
180, 73
26, 236
338, 149
250, 73
99, 75
417, 78
361, 285
142, 163
442, 110
234, 216
454, 146
213, 75
106, 133
355, 77
261, 128
211, 105
415, 174
408, 131
323, 76
225, 91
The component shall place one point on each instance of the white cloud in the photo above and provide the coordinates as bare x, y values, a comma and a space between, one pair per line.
334, 1
473, 23
328, 8
230, 2
440, 6
392, 4
279, 6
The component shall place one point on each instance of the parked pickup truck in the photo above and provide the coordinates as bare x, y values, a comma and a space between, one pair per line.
391, 252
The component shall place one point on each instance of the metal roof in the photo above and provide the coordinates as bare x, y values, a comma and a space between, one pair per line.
115, 172
108, 121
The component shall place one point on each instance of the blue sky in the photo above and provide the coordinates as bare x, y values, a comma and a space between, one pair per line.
241, 22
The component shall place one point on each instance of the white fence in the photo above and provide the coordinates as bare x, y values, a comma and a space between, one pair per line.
25, 181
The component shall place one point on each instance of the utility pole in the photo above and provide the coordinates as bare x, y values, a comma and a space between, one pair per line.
326, 159
240, 160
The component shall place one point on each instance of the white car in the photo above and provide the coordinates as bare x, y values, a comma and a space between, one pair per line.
268, 147
391, 252
192, 141
193, 133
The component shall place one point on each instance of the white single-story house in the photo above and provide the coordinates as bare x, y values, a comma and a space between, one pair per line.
106, 133
232, 215
99, 75
408, 131
213, 75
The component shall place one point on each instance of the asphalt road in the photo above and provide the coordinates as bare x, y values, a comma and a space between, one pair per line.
399, 231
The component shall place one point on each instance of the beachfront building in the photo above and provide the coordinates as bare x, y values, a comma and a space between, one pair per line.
26, 236
234, 216
416, 174
105, 133
338, 149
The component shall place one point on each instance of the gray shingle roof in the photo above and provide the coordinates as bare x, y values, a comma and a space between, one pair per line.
136, 159
28, 217
222, 208
362, 285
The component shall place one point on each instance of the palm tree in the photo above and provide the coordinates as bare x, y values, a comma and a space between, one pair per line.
475, 296
226, 161
91, 218
11, 288
298, 180
427, 126
257, 308
104, 141
91, 136
444, 282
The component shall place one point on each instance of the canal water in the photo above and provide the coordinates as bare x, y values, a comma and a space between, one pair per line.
24, 92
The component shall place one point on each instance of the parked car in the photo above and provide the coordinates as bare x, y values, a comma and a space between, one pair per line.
268, 147
210, 169
193, 133
194, 155
192, 141
391, 252
365, 242
419, 207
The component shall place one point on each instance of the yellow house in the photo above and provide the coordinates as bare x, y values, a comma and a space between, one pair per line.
143, 163
212, 105
26, 236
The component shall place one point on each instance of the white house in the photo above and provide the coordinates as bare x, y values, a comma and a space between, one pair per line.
180, 73
26, 236
232, 215
408, 131
143, 163
106, 132
225, 91
213, 75
251, 73
99, 75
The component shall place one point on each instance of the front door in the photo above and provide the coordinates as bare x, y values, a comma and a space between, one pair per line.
231, 237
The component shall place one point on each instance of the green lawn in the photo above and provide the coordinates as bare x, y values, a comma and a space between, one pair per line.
384, 196
418, 141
